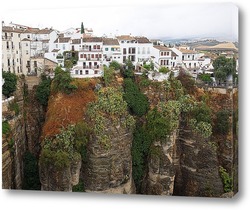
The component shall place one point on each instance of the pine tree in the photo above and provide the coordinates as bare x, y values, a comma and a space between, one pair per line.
82, 29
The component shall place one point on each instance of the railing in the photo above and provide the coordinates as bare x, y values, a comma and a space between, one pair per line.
91, 67
90, 59
90, 50
5, 38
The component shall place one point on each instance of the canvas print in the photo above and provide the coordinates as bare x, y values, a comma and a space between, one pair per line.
122, 100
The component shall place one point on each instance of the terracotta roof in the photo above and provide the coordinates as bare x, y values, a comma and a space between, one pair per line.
142, 40
45, 40
125, 37
92, 39
185, 51
76, 41
55, 50
31, 30
45, 31
11, 29
174, 54
62, 40
162, 48
25, 40
110, 41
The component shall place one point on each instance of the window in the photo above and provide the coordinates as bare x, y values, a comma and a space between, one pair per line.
17, 60
96, 55
76, 71
92, 55
81, 55
106, 49
98, 47
131, 50
190, 65
94, 47
183, 57
100, 55
188, 56
18, 69
193, 57
167, 53
18, 35
112, 49
95, 63
161, 53
28, 36
162, 62
16, 52
8, 62
167, 62
85, 56
124, 51
63, 46
27, 52
96, 71
11, 34
195, 65
7, 43
56, 45
86, 71
127, 41
81, 72
27, 44
35, 63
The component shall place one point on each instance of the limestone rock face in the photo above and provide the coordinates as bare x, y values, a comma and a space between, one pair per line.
198, 167
34, 121
109, 170
161, 169
54, 179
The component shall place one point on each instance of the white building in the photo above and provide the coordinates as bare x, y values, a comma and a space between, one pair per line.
90, 58
111, 51
162, 57
128, 46
11, 50
144, 50
188, 58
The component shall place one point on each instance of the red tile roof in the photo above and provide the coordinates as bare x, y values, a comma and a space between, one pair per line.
110, 41
162, 48
62, 40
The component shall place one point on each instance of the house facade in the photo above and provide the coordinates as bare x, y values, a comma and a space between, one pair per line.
89, 58
11, 50
111, 51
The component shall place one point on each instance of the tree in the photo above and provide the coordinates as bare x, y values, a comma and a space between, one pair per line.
82, 29
10, 83
128, 71
137, 101
115, 65
62, 81
206, 78
43, 91
164, 70
108, 75
223, 67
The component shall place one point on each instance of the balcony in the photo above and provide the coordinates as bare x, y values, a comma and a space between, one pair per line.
6, 38
90, 59
89, 49
91, 67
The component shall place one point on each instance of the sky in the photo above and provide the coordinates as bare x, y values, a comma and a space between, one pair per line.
171, 21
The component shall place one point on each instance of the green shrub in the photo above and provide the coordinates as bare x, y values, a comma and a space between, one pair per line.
109, 75
206, 78
222, 122
164, 70
226, 179
10, 83
5, 128
13, 106
62, 81
79, 187
202, 112
137, 102
115, 65
140, 149
43, 91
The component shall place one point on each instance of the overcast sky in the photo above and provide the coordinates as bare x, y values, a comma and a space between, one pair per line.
212, 20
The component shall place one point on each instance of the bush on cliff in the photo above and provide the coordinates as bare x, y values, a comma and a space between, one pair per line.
62, 81
137, 101
43, 91
10, 83
222, 122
